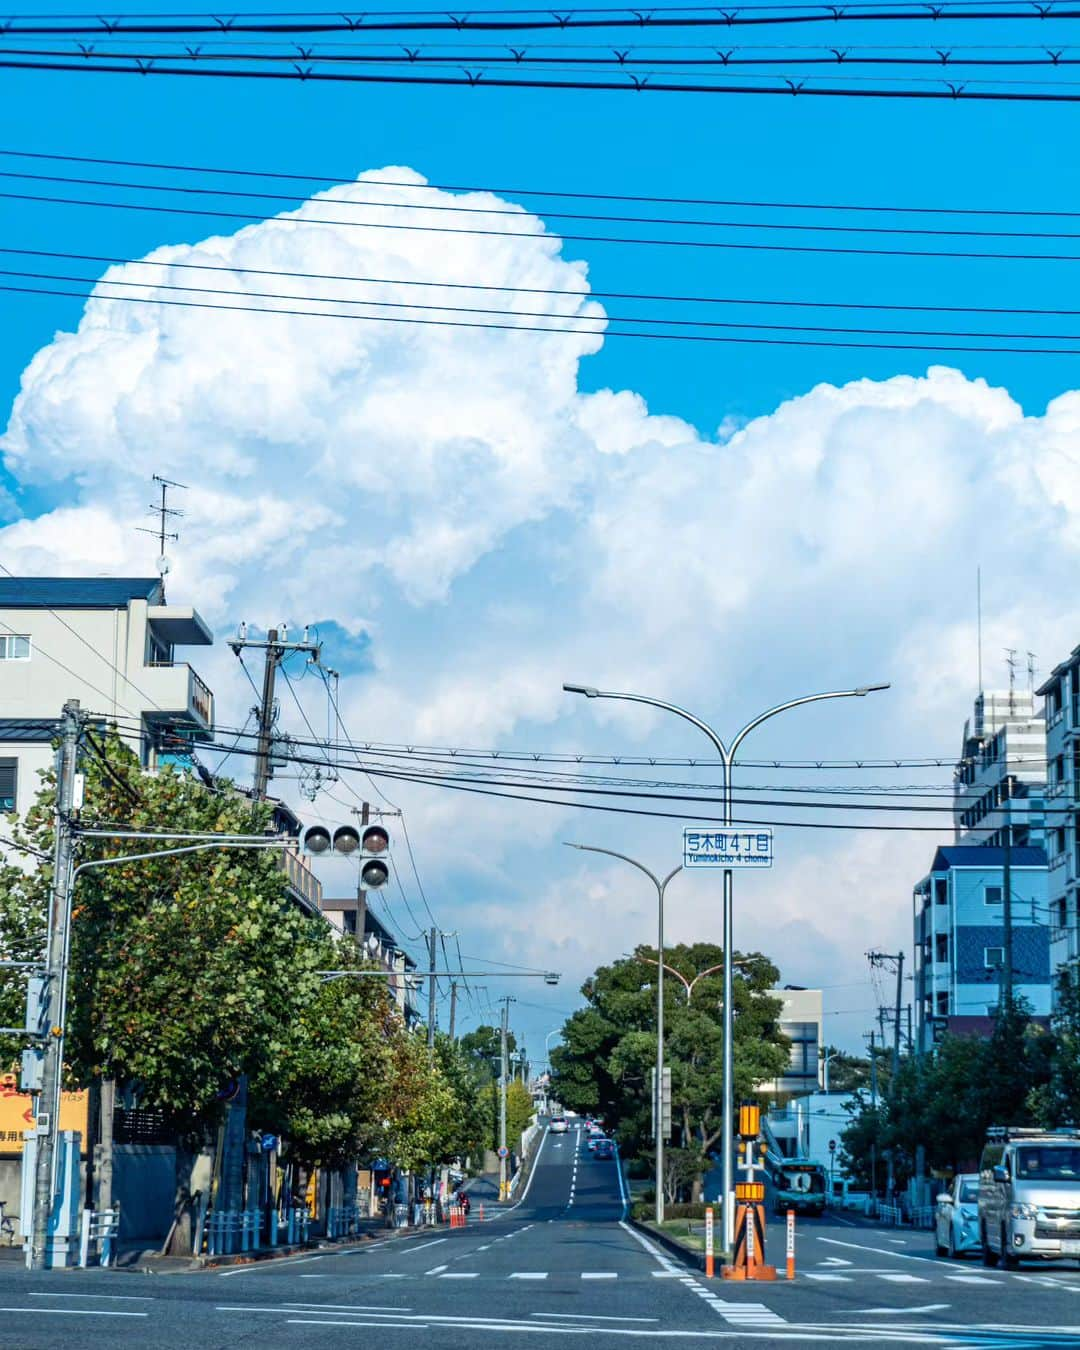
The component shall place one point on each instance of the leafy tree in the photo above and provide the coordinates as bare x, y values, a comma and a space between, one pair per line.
609, 1047
1056, 1102
482, 1048
846, 1072
519, 1112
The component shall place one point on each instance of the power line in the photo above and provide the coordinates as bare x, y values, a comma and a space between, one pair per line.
516, 212
536, 314
547, 328
633, 84
515, 20
590, 294
535, 192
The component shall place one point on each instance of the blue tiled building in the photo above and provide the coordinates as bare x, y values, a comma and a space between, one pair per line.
959, 937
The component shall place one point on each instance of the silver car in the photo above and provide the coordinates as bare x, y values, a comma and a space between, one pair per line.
1029, 1195
956, 1220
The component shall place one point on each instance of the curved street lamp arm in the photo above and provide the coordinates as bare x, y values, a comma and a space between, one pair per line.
861, 692
654, 703
166, 853
702, 973
687, 984
591, 848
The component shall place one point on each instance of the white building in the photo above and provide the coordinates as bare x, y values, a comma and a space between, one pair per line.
109, 642
1000, 779
800, 1021
1061, 708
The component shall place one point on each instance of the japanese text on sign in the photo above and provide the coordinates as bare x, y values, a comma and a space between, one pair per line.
727, 848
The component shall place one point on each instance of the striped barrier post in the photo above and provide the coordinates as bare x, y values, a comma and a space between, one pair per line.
708, 1242
791, 1244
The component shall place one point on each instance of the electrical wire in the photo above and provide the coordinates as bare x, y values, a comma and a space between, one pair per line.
966, 348
633, 84
579, 295
532, 192
95, 283
519, 20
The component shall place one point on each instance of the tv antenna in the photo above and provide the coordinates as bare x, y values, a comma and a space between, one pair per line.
164, 513
1010, 661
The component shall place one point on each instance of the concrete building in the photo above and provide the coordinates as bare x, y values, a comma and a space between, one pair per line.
959, 938
381, 946
1000, 779
109, 642
1061, 709
800, 1021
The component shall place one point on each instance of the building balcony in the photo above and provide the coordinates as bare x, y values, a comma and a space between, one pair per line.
937, 972
1064, 946
179, 696
302, 880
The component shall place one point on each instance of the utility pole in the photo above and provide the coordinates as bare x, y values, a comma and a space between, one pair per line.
453, 1009
275, 649
873, 1103
897, 958
432, 938
504, 1073
55, 991
364, 812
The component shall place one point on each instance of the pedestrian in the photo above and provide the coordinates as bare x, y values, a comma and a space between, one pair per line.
465, 1202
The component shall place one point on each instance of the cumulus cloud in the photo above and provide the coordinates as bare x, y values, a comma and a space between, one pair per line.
452, 495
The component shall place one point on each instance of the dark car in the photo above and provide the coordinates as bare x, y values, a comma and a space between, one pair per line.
604, 1148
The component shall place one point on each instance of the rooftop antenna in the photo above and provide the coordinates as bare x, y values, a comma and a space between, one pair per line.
163, 511
1010, 661
1031, 672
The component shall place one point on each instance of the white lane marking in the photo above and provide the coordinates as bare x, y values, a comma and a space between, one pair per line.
665, 1274
972, 1279
926, 1308
599, 1275
903, 1279
76, 1312
595, 1317
834, 1261
844, 1279
487, 1245
459, 1275
529, 1275
314, 1277
435, 1270
326, 1322
748, 1314
295, 1305
881, 1251
433, 1243
265, 1265
898, 1242
393, 1277
112, 1298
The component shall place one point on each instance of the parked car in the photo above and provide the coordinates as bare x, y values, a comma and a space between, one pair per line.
1029, 1195
956, 1219
559, 1125
605, 1148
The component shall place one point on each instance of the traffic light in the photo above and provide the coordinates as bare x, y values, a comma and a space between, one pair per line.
347, 840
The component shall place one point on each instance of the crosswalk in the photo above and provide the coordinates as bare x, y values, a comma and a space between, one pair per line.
854, 1274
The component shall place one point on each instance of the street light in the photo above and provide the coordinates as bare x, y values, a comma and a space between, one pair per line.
727, 760
658, 1095
688, 985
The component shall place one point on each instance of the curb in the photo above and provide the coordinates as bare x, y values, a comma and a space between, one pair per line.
695, 1260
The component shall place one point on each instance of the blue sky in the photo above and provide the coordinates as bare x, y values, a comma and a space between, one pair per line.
857, 567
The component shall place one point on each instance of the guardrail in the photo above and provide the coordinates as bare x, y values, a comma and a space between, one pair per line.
100, 1229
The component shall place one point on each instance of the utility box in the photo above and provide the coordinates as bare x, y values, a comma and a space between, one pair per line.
63, 1229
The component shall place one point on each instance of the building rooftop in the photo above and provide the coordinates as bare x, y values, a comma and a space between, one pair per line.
979, 855
77, 592
1071, 660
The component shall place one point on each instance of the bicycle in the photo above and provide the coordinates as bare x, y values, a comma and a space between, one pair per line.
7, 1226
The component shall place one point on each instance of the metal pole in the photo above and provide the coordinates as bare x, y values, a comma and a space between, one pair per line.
453, 1008
56, 981
266, 714
503, 1070
432, 989
659, 1104
1006, 913
727, 1113
896, 1027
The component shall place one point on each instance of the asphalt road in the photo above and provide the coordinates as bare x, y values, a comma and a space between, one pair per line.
561, 1263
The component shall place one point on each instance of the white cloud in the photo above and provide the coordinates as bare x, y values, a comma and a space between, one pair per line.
452, 492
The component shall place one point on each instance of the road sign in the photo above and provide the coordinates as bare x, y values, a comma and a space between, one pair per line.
504, 1152
710, 847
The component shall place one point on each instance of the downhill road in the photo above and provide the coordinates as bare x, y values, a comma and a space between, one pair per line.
560, 1262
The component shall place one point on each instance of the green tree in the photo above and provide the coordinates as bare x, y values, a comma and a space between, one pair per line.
846, 1072
519, 1112
1056, 1101
609, 1047
481, 1047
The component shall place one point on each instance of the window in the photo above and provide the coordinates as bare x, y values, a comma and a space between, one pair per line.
9, 773
992, 895
14, 647
943, 1005
941, 891
993, 957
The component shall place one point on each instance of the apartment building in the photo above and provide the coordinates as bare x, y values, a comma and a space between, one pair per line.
111, 643
801, 1022
1061, 709
381, 946
999, 784
959, 938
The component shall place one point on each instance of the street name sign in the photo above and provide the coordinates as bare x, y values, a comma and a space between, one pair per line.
726, 847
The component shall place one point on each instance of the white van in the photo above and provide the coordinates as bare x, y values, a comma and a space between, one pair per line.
1029, 1195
